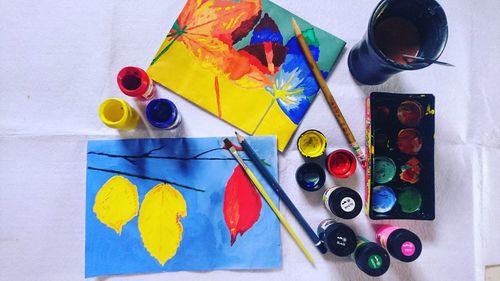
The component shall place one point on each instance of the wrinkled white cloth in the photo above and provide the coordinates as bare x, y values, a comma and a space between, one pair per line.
59, 60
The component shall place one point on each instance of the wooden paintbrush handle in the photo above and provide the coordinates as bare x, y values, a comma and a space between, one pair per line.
331, 101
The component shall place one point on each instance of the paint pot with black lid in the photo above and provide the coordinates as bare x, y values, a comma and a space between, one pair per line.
401, 243
343, 202
310, 176
371, 258
338, 237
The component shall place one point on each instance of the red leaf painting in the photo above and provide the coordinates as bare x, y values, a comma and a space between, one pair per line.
242, 204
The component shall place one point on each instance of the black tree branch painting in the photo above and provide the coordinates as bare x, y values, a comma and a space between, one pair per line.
148, 155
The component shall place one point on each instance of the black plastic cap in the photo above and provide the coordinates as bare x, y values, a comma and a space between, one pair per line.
340, 239
345, 203
400, 239
372, 259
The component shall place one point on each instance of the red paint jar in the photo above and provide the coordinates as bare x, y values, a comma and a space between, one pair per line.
135, 82
341, 163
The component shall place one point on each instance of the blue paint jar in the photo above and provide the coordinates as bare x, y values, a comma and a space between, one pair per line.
397, 27
310, 176
163, 114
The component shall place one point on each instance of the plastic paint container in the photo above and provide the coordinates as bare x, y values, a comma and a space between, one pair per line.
409, 141
384, 169
410, 200
311, 144
338, 237
118, 114
163, 114
135, 82
400, 180
310, 176
382, 199
371, 258
341, 163
343, 202
410, 113
401, 243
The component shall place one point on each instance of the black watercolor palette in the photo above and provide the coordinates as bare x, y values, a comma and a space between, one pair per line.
400, 148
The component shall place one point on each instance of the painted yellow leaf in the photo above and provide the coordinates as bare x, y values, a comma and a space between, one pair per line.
159, 221
116, 203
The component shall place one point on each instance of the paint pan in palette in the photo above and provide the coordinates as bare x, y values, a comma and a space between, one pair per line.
400, 146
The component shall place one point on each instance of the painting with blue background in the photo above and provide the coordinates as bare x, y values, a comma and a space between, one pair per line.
205, 243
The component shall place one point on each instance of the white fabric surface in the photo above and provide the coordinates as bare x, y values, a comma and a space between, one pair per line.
59, 60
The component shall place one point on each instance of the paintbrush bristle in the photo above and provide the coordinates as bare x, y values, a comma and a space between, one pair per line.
228, 143
296, 27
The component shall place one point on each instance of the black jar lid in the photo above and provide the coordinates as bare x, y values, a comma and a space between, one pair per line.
345, 203
340, 239
310, 176
372, 259
404, 245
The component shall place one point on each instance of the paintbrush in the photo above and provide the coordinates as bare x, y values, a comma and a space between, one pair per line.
268, 199
408, 57
281, 193
328, 95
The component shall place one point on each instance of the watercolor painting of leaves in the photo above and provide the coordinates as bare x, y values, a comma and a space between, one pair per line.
239, 60
159, 218
188, 219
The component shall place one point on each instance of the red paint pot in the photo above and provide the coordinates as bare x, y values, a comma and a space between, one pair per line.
341, 163
135, 82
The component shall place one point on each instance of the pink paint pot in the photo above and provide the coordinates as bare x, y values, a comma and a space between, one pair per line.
401, 243
341, 163
135, 82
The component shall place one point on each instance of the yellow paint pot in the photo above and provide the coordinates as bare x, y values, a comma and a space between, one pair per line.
311, 144
118, 114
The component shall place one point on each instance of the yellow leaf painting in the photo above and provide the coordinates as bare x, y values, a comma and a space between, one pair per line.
116, 203
159, 221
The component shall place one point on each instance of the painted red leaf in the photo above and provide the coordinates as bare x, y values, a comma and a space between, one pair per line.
242, 204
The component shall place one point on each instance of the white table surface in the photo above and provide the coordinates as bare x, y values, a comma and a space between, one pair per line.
59, 60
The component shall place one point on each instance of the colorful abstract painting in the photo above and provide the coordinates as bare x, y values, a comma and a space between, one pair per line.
241, 61
176, 204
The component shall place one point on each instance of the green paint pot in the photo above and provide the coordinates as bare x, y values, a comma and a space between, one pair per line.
384, 169
410, 200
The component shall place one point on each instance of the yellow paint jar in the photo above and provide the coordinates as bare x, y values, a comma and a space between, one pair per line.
118, 114
311, 144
